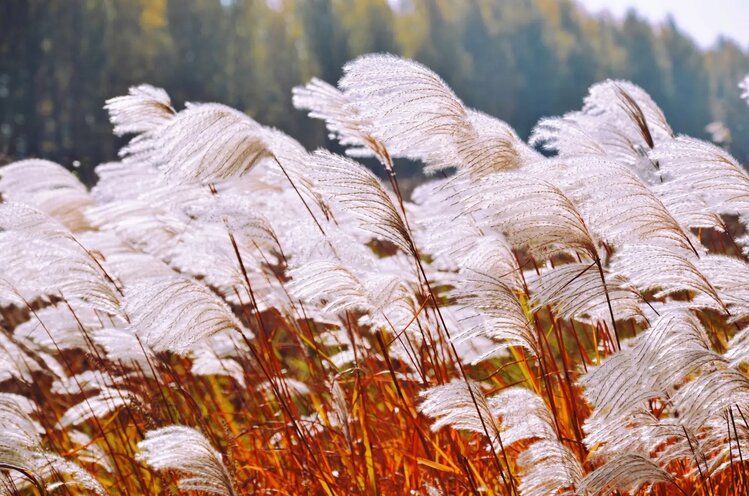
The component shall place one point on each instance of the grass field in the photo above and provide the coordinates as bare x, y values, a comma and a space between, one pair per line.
227, 313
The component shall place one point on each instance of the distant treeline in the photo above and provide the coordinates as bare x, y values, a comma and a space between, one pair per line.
517, 60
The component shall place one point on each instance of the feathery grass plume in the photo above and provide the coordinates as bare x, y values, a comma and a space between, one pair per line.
705, 171
674, 348
738, 348
619, 207
143, 109
730, 278
491, 254
490, 145
469, 241
709, 395
452, 405
411, 111
22, 359
58, 327
48, 187
208, 362
206, 251
24, 219
357, 189
206, 143
17, 426
174, 313
23, 459
9, 294
123, 180
660, 359
225, 238
623, 101
341, 289
724, 440
125, 262
15, 363
689, 210
533, 214
222, 354
239, 215
209, 143
618, 120
342, 119
502, 316
85, 382
100, 406
524, 416
571, 135
153, 221
546, 464
626, 473
538, 216
43, 258
405, 106
291, 158
124, 346
652, 267
576, 291
187, 451
380, 296
624, 388
677, 443
628, 104
546, 467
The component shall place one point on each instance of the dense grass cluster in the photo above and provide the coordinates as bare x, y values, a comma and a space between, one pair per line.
226, 313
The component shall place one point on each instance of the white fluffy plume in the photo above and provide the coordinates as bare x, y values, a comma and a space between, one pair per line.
23, 457
174, 313
188, 452
207, 142
143, 109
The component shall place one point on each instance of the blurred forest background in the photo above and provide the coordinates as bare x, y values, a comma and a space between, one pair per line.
517, 60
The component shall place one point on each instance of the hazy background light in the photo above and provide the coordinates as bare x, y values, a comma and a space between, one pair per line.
705, 21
